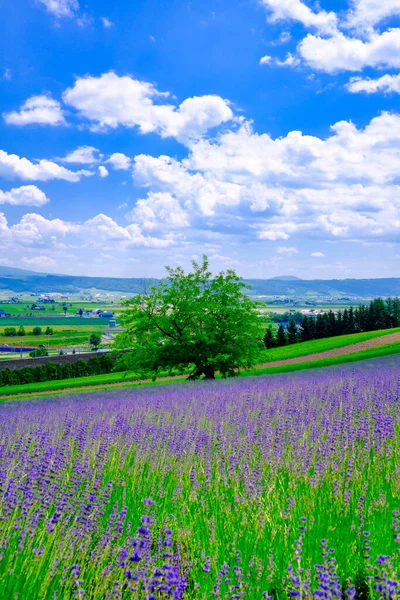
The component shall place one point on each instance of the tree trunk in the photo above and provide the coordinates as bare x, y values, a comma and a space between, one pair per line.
209, 372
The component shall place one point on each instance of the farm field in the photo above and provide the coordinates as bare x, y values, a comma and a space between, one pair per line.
323, 345
58, 338
326, 306
25, 307
128, 379
67, 333
53, 321
277, 487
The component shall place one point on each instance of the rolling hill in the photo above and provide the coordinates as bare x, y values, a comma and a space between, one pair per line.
19, 280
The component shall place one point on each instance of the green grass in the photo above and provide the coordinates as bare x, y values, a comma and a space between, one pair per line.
54, 321
25, 307
79, 382
386, 350
322, 345
125, 379
58, 339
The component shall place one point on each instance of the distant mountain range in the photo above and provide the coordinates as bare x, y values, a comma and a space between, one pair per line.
19, 280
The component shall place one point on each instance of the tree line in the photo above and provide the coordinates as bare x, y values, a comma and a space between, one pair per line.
20, 332
378, 314
97, 365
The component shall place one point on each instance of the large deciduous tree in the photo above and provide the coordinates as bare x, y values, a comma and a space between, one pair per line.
193, 322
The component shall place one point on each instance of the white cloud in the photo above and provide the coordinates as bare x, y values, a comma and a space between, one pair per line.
100, 232
290, 61
106, 22
295, 10
386, 84
368, 13
12, 166
287, 251
159, 210
61, 8
110, 101
103, 171
317, 254
40, 110
272, 235
168, 175
6, 262
7, 74
85, 155
285, 37
26, 195
38, 262
341, 53
119, 161
344, 185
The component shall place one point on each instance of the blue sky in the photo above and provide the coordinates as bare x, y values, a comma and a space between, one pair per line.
143, 133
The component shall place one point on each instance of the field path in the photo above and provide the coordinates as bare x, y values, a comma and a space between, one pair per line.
350, 349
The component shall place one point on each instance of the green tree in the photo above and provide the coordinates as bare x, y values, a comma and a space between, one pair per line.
306, 328
65, 309
281, 336
194, 322
10, 332
49, 331
292, 331
95, 340
38, 352
21, 331
36, 330
269, 338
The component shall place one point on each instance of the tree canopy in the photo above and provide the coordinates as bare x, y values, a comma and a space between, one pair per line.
194, 322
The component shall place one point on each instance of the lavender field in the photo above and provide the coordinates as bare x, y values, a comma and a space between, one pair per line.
286, 486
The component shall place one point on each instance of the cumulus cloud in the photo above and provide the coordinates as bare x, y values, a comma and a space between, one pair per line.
272, 235
287, 251
386, 84
342, 53
14, 167
40, 110
119, 161
347, 41
290, 61
167, 174
295, 10
343, 185
106, 22
159, 210
85, 155
26, 195
38, 262
368, 13
317, 254
101, 231
103, 171
61, 8
110, 101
